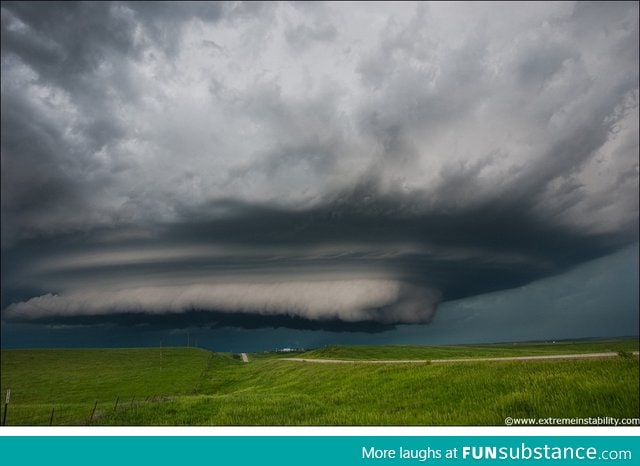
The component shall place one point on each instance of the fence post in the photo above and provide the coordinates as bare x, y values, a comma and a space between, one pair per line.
116, 405
6, 405
134, 397
51, 418
93, 412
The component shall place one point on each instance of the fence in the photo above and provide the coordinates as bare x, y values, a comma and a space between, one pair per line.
74, 414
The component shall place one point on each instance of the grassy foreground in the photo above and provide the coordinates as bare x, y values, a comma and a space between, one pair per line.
186, 386
72, 380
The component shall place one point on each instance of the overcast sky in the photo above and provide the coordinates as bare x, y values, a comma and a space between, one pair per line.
305, 164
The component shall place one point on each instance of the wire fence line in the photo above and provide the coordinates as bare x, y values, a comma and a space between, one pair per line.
74, 414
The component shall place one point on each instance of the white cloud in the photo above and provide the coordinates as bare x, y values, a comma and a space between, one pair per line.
348, 300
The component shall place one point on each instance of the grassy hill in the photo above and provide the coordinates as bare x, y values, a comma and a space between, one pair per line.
197, 387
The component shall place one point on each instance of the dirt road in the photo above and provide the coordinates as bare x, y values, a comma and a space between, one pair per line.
244, 357
445, 361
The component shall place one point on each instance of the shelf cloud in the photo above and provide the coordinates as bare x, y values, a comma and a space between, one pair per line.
348, 300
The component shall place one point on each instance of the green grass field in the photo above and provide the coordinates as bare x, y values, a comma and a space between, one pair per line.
70, 379
186, 386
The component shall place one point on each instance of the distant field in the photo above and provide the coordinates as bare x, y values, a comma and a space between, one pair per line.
196, 387
469, 351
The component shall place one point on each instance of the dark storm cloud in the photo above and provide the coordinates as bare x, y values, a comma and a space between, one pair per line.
453, 254
65, 40
293, 163
214, 320
78, 54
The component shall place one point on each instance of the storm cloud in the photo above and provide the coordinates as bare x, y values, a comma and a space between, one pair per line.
318, 162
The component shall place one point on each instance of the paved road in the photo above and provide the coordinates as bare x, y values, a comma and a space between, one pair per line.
244, 356
445, 361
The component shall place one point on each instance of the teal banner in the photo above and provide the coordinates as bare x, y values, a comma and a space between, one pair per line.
254, 451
